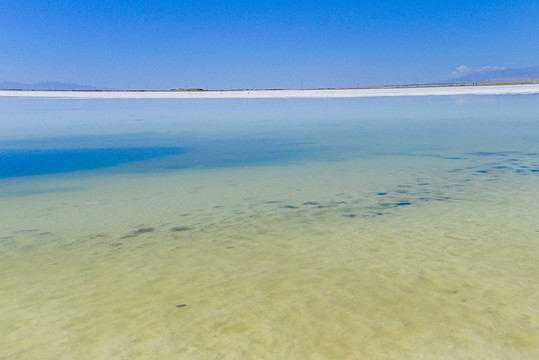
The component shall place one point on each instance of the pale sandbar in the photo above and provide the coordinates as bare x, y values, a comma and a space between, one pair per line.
264, 94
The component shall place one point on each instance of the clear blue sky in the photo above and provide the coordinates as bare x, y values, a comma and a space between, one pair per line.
262, 44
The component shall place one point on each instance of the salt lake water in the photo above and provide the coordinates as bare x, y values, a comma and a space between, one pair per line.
395, 228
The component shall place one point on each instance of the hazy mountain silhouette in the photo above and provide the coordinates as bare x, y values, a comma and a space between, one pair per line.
504, 75
49, 85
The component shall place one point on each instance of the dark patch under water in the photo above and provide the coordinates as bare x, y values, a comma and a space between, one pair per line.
403, 203
180, 228
290, 207
139, 231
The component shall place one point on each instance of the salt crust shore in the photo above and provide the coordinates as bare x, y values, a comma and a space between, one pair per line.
265, 94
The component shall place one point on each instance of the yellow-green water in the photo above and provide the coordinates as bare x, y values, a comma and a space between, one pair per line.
448, 278
372, 257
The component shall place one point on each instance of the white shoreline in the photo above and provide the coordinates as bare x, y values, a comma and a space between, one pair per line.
267, 94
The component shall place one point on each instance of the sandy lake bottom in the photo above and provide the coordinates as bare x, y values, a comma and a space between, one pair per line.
421, 253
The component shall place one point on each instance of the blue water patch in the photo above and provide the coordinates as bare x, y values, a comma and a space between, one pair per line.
128, 153
46, 136
147, 152
14, 163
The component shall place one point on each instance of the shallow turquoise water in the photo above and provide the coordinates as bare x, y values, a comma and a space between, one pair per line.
40, 136
295, 228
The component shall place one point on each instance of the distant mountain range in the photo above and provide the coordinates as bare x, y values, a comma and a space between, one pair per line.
49, 85
499, 75
463, 75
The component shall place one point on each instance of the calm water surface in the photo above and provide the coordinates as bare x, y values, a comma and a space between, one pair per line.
390, 228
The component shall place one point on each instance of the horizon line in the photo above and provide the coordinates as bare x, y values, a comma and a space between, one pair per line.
197, 89
455, 90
